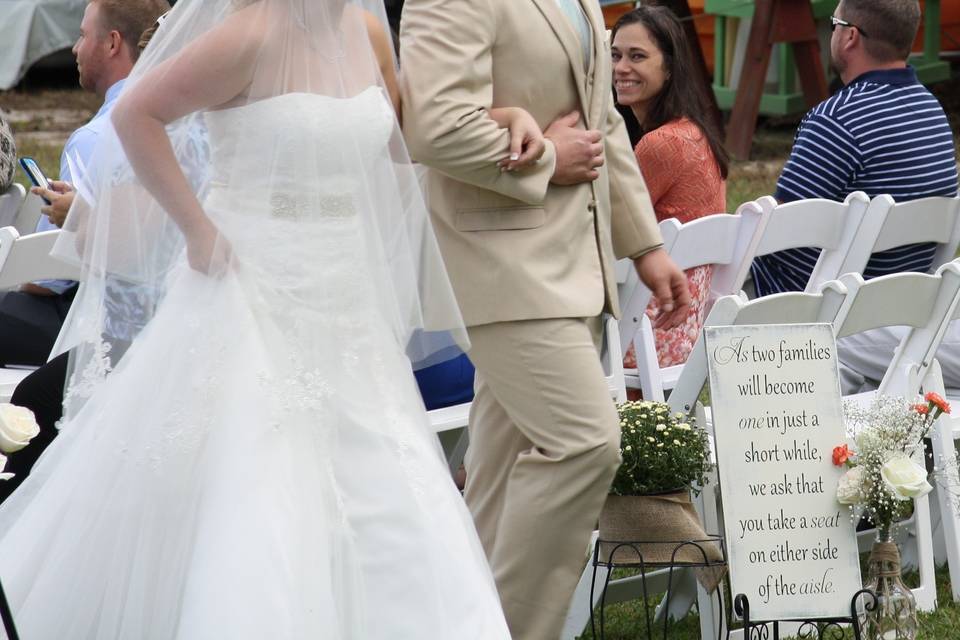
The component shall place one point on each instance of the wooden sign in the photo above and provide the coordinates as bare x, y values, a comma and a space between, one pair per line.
777, 416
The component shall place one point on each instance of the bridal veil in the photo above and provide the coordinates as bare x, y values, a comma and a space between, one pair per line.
126, 243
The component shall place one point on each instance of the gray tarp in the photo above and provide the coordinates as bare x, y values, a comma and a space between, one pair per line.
32, 29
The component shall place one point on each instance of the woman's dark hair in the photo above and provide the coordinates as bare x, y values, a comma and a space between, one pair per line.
680, 95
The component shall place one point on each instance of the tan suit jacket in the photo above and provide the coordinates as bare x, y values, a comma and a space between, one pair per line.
517, 247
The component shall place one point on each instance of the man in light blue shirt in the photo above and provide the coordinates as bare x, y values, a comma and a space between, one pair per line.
30, 318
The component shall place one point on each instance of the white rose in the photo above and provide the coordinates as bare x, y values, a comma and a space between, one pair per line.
850, 486
17, 427
905, 478
3, 463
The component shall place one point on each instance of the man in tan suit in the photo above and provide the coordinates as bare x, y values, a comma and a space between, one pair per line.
530, 254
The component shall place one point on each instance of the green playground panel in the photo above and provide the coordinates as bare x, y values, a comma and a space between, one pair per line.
786, 99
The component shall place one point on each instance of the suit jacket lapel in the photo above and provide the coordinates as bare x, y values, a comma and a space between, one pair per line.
571, 45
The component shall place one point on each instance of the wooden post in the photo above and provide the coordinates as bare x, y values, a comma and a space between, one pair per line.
774, 21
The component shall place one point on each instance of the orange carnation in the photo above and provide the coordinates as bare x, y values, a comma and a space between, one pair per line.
841, 454
922, 409
937, 400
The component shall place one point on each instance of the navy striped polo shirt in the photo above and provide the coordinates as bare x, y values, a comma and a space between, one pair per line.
884, 133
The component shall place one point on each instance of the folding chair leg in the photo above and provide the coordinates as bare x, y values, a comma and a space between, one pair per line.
454, 443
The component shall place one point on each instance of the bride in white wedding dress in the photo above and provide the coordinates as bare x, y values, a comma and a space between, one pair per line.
258, 464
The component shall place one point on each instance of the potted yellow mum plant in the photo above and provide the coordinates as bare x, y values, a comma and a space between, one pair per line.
665, 458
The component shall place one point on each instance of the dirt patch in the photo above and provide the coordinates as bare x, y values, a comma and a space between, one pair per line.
47, 116
32, 101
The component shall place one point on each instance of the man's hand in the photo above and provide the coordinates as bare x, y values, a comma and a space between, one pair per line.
579, 152
60, 195
668, 284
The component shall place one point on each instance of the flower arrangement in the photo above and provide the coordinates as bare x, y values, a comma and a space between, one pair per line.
661, 451
882, 475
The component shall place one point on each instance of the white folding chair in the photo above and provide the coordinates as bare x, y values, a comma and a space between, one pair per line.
10, 202
25, 259
944, 514
826, 224
29, 214
924, 304
725, 241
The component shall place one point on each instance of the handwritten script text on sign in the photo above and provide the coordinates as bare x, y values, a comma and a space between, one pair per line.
777, 416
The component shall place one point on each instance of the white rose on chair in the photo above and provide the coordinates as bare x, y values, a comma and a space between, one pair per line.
905, 478
17, 427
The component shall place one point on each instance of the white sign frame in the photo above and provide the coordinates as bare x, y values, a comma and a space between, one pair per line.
775, 394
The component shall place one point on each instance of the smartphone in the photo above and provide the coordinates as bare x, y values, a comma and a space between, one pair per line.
32, 169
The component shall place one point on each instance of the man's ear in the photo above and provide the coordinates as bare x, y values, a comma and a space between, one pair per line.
851, 38
116, 43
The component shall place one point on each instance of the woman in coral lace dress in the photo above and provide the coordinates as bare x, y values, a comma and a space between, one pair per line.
680, 154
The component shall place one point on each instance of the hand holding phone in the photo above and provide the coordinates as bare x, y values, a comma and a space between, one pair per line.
33, 171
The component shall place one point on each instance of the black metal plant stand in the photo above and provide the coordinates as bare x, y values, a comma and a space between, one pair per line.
809, 629
820, 629
635, 545
7, 616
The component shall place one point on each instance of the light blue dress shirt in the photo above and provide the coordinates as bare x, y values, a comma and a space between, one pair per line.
79, 148
578, 20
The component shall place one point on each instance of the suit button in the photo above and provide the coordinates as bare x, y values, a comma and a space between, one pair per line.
592, 207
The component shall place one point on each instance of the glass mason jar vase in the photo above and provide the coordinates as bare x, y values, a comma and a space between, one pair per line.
895, 616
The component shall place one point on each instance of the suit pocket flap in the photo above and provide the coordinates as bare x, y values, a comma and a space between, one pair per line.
497, 219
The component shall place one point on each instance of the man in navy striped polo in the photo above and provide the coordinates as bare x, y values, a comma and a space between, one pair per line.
882, 133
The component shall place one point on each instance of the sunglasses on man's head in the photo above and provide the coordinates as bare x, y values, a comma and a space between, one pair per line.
840, 22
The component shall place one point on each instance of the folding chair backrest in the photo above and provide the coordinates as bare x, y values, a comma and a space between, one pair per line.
895, 224
29, 215
10, 202
825, 224
781, 308
27, 258
723, 240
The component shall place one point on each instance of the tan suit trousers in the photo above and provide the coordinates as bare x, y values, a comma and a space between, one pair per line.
544, 446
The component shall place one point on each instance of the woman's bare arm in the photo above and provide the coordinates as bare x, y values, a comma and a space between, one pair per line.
210, 71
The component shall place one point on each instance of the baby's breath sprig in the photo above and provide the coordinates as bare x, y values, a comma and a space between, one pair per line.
883, 474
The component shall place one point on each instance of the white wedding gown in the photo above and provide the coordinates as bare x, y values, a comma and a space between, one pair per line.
259, 465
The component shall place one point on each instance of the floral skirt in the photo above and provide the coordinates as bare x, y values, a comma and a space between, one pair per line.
674, 345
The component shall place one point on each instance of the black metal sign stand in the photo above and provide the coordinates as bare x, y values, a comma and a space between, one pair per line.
809, 629
819, 629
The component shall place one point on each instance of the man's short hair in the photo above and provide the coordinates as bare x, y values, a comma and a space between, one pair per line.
890, 25
130, 18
